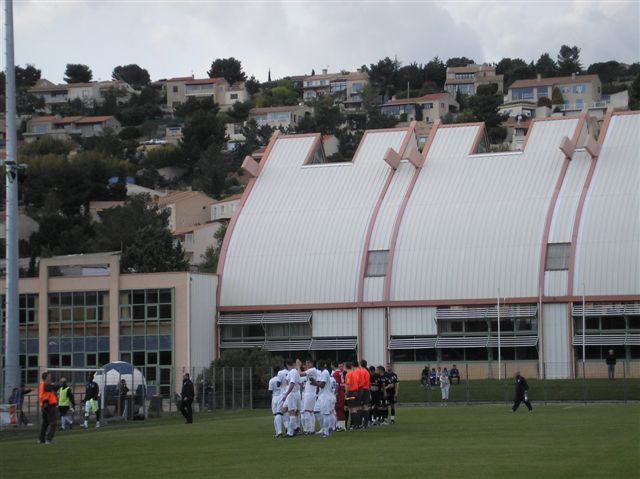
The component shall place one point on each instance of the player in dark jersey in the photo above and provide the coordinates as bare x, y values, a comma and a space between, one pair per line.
393, 387
383, 405
376, 395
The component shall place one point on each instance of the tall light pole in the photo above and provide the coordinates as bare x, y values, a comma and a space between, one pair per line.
12, 334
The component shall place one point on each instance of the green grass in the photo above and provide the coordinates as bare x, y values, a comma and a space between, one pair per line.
492, 390
558, 441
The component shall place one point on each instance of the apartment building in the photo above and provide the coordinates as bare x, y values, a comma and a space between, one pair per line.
286, 117
427, 108
187, 208
82, 312
68, 127
345, 87
180, 89
466, 80
56, 94
578, 91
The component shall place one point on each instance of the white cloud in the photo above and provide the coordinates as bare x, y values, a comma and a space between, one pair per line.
178, 38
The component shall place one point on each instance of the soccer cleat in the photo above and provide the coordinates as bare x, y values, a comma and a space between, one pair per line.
48, 443
324, 436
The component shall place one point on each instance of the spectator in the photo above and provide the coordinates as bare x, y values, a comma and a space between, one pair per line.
123, 391
424, 377
187, 394
444, 386
433, 377
454, 373
611, 364
17, 398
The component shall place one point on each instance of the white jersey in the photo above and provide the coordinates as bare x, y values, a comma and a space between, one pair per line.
293, 377
274, 386
310, 389
325, 378
334, 386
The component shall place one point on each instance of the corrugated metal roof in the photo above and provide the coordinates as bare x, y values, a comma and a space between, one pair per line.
299, 238
474, 223
567, 204
608, 245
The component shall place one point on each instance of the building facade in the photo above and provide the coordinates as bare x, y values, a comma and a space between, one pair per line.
56, 94
286, 117
80, 312
432, 107
345, 87
180, 89
467, 79
578, 91
68, 127
187, 208
424, 257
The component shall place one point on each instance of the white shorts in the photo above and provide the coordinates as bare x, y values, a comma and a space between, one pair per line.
445, 392
326, 404
276, 404
308, 402
293, 401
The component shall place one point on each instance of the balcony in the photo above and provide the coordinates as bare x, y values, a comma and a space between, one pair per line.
579, 106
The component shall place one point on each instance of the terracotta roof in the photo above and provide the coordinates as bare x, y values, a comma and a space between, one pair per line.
93, 119
339, 76
421, 99
44, 119
554, 81
488, 79
471, 68
66, 120
180, 78
180, 196
205, 81
276, 109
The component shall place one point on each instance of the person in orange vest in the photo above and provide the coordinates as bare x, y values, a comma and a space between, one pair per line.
48, 401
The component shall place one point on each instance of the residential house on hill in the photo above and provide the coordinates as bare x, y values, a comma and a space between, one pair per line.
180, 89
187, 208
280, 116
434, 107
56, 94
466, 80
67, 127
345, 87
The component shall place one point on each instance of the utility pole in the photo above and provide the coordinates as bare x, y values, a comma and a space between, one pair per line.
12, 333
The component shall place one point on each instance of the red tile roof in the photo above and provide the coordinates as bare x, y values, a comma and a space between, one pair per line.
205, 81
554, 81
66, 120
93, 119
180, 78
421, 99
44, 119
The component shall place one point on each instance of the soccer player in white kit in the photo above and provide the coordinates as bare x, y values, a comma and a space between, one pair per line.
326, 399
277, 386
309, 395
292, 398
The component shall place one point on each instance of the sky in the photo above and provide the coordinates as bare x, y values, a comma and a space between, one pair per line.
179, 38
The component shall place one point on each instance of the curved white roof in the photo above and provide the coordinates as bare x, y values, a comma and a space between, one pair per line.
473, 223
608, 246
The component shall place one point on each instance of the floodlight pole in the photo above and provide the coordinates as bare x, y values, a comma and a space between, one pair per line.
584, 333
499, 352
12, 333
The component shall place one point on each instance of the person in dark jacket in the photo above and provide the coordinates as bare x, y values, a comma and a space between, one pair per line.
611, 364
91, 402
522, 394
186, 398
123, 392
17, 398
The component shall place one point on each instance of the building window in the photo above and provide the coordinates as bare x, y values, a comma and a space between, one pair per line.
579, 89
175, 89
234, 96
377, 263
558, 256
522, 94
579, 103
543, 91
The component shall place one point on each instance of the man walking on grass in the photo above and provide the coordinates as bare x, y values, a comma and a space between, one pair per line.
522, 393
48, 402
186, 398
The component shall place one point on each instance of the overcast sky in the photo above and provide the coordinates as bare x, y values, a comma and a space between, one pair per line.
177, 38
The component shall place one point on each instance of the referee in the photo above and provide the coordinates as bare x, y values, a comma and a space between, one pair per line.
522, 393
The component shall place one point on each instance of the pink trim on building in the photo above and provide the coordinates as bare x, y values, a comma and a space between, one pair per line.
581, 201
403, 206
554, 200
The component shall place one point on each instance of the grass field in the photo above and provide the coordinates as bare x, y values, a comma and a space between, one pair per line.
555, 441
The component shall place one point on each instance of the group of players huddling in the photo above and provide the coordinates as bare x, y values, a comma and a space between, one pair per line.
331, 394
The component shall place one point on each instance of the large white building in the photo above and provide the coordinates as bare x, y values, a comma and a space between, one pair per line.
404, 256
